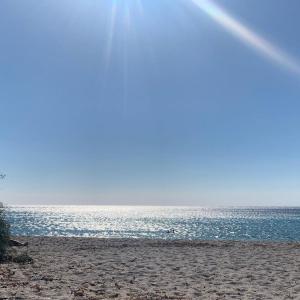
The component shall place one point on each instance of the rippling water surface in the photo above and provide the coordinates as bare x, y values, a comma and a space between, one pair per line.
157, 222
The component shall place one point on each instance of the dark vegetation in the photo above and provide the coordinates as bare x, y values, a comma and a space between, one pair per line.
4, 235
4, 231
22, 258
8, 246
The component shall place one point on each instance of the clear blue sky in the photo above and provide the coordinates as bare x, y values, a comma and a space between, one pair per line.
150, 102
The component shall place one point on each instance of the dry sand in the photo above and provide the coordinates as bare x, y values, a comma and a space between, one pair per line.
84, 268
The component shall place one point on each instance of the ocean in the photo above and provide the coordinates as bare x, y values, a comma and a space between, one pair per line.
191, 223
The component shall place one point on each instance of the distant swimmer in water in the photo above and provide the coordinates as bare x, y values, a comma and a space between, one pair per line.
172, 230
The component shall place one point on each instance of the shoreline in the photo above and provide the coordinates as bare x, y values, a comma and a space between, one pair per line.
24, 237
94, 268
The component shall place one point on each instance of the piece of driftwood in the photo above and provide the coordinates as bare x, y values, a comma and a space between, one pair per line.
16, 243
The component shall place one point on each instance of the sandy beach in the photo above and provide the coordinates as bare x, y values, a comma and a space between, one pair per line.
85, 268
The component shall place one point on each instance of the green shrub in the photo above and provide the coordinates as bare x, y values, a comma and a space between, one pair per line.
4, 235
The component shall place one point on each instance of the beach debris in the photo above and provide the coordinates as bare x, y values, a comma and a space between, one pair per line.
117, 286
78, 292
47, 278
15, 243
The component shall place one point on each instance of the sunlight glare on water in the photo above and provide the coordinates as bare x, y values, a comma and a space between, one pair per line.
156, 222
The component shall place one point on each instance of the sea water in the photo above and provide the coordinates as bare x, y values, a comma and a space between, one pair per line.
275, 224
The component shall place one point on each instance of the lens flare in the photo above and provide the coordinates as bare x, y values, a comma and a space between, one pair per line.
248, 36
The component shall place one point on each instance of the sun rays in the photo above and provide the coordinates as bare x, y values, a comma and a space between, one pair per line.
111, 30
123, 10
121, 27
120, 13
246, 35
119, 32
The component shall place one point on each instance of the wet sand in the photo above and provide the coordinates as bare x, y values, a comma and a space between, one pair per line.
84, 268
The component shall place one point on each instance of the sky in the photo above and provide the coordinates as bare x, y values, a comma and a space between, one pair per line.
161, 102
